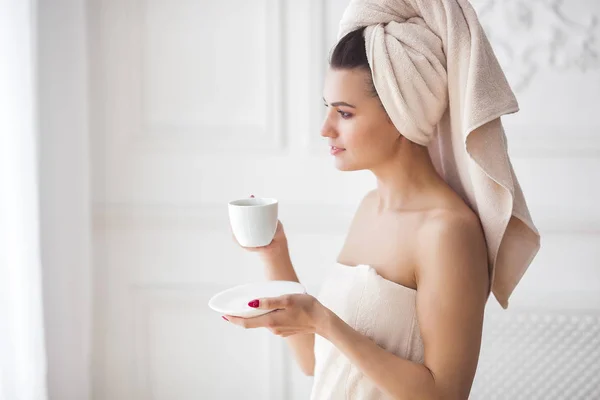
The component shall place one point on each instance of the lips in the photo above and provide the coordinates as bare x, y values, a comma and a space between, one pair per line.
335, 150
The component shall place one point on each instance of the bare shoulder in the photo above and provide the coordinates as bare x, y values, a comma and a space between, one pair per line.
366, 202
369, 197
458, 224
451, 240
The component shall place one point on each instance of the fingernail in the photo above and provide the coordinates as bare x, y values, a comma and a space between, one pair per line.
224, 318
253, 304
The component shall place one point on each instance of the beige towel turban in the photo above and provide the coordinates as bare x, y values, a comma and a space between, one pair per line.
441, 84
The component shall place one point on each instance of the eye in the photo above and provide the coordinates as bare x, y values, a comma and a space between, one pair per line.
344, 115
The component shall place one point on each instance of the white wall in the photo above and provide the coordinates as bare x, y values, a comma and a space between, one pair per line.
65, 195
168, 151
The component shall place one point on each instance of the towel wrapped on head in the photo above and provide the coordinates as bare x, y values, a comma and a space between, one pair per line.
442, 86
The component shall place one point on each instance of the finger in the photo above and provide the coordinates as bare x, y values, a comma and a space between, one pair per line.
262, 321
272, 303
285, 331
234, 320
288, 333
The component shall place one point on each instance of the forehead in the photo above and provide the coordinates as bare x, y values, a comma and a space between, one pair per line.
345, 84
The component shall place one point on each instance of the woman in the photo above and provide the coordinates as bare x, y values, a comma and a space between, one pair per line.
401, 313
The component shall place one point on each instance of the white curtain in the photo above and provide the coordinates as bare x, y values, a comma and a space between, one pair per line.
22, 354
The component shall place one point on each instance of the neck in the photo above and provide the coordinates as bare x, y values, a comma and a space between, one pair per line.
405, 177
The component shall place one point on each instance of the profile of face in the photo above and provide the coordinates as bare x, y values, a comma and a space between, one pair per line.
356, 122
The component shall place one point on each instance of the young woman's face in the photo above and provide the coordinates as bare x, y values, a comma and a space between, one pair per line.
355, 122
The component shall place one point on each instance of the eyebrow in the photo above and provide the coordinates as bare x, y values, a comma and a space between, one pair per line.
339, 103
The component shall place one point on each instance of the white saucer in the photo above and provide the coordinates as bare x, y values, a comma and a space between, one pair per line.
234, 301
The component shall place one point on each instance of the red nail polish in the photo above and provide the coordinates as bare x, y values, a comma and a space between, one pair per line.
224, 318
253, 304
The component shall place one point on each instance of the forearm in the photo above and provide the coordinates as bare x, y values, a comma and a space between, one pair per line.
278, 267
398, 377
302, 345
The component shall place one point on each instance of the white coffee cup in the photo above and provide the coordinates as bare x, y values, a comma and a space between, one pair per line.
253, 220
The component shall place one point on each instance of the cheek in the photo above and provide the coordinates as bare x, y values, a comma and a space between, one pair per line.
359, 144
367, 141
356, 137
372, 144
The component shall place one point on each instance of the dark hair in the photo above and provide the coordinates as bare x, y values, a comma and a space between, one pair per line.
350, 53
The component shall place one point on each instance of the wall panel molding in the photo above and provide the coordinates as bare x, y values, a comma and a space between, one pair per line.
318, 39
152, 299
527, 141
123, 48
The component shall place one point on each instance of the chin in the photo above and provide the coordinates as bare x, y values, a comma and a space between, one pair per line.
345, 166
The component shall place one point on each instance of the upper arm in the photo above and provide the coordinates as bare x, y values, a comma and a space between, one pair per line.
452, 278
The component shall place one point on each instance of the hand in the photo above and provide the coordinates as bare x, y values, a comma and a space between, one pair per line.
294, 314
277, 247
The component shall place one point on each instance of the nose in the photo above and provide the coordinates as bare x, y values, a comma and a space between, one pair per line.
328, 130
